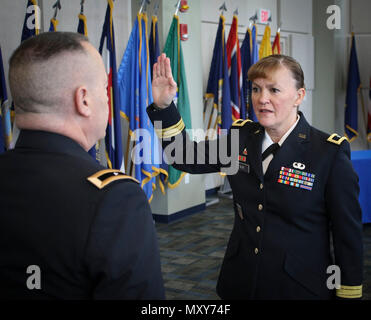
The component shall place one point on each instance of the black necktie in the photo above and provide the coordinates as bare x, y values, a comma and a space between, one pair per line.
272, 149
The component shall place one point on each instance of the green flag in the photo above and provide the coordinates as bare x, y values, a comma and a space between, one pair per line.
173, 50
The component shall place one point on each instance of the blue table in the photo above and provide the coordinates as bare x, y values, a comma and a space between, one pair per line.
362, 164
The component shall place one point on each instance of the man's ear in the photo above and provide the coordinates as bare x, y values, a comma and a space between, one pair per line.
82, 105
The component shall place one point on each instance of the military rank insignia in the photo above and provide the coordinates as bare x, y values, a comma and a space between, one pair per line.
296, 178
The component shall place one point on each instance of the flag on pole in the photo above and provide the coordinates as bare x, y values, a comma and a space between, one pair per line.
82, 26
234, 68
218, 112
53, 25
154, 52
135, 90
254, 50
254, 59
154, 44
265, 46
173, 50
276, 48
107, 49
353, 88
5, 125
369, 116
246, 84
31, 25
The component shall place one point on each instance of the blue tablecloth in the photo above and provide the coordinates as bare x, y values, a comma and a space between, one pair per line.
362, 164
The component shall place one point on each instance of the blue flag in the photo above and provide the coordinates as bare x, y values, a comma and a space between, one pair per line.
254, 59
82, 27
113, 138
245, 64
353, 87
218, 89
254, 49
31, 23
53, 25
135, 89
5, 125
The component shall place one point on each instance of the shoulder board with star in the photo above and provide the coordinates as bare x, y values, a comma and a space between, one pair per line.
240, 123
103, 178
336, 139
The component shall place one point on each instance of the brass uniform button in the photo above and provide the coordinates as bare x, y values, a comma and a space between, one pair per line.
258, 229
256, 250
260, 207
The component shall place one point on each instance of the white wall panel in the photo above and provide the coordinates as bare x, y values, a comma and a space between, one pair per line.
296, 15
360, 21
302, 49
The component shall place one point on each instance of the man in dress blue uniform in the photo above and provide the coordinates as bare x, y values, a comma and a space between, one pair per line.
69, 228
294, 190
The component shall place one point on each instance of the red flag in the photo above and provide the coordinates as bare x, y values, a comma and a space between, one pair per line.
234, 68
276, 44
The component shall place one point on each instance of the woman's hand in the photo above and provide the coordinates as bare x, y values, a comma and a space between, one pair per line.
163, 85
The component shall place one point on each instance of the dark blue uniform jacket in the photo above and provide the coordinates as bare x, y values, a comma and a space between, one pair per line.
88, 242
285, 220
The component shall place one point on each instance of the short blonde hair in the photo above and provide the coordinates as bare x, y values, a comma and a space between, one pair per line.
269, 64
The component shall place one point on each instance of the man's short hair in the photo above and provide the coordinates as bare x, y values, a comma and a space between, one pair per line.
33, 52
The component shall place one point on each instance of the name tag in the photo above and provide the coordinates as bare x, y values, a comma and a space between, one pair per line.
244, 167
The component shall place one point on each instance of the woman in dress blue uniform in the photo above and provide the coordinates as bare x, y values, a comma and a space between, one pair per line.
297, 232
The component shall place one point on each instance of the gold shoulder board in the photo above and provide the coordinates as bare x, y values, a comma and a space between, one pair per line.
103, 178
240, 122
336, 139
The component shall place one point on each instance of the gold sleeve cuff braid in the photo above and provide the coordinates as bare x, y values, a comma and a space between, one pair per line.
349, 292
240, 122
110, 176
335, 138
171, 131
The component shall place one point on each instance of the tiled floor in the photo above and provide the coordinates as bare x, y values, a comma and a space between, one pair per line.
192, 251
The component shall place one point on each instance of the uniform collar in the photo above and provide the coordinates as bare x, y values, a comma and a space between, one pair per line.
267, 141
49, 142
293, 144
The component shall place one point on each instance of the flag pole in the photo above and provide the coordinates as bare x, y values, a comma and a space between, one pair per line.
156, 8
365, 115
177, 6
57, 7
222, 8
143, 6
82, 6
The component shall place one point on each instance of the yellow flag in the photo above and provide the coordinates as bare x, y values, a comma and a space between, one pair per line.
265, 49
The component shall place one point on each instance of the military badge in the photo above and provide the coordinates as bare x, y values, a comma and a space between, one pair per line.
296, 178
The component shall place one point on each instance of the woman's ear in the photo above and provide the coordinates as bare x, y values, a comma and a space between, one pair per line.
82, 105
300, 98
